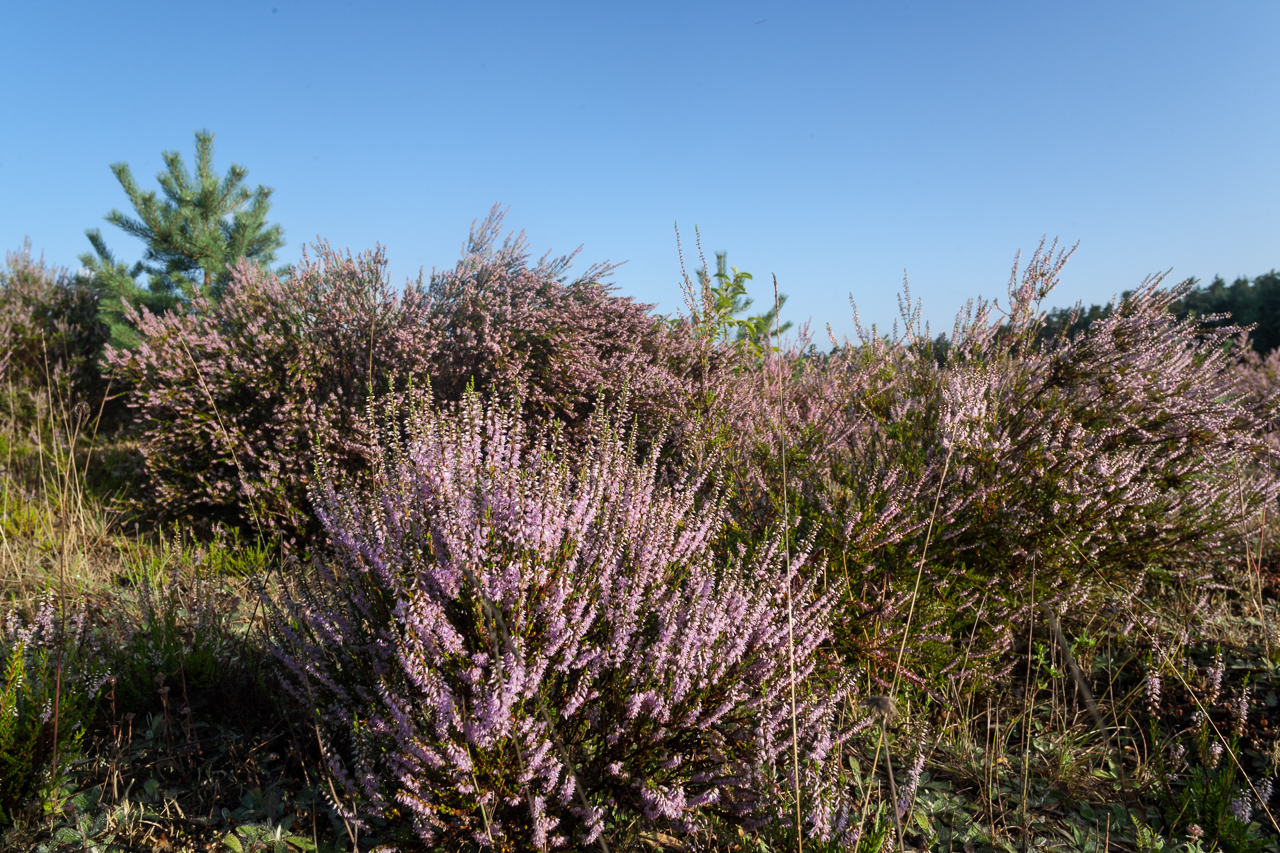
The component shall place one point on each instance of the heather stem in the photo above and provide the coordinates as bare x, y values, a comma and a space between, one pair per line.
791, 643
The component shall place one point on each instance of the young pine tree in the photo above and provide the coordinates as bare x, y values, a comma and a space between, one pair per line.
724, 298
195, 235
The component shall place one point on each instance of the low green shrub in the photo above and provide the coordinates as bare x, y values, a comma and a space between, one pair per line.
175, 626
53, 685
180, 639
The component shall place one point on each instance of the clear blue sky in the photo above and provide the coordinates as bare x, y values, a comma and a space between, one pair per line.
834, 144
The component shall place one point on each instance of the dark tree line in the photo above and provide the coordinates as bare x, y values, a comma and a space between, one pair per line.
1245, 302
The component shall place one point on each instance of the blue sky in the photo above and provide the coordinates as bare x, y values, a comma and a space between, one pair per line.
834, 144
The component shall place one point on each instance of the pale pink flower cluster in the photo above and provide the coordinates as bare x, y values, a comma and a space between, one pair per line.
546, 631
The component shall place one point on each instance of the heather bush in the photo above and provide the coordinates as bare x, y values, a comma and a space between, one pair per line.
519, 644
1257, 377
561, 345
237, 399
1013, 456
50, 337
1124, 447
1248, 303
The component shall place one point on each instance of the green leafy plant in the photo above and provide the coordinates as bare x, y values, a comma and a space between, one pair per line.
52, 682
1209, 795
724, 298
181, 634
87, 827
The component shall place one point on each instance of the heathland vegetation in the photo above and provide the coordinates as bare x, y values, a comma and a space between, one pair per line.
296, 559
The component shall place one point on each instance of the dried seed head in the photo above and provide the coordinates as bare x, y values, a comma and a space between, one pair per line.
882, 706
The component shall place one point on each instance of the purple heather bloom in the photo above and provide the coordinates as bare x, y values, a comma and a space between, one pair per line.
1153, 690
497, 594
1240, 712
1215, 678
907, 793
1242, 808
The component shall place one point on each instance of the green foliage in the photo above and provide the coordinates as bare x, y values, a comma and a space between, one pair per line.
195, 237
1245, 302
182, 634
260, 826
1074, 321
89, 826
49, 696
726, 298
116, 285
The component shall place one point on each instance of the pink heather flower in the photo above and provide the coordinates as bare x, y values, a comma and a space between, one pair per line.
912, 779
965, 407
1215, 753
1215, 678
1240, 712
498, 591
1153, 690
1242, 808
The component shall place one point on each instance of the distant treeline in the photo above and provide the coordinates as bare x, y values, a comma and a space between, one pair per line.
1247, 302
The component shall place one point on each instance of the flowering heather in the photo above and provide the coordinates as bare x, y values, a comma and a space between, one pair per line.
1242, 807
50, 654
1059, 458
236, 399
1214, 677
561, 345
519, 644
1153, 686
50, 335
907, 792
1239, 708
1257, 379
1215, 754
